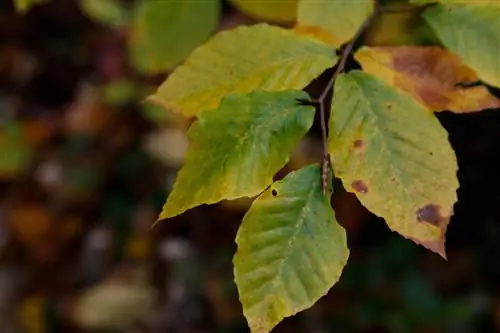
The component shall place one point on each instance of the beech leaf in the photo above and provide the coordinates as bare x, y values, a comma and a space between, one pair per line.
291, 250
395, 156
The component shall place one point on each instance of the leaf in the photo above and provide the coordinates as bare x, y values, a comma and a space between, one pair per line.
473, 33
341, 18
241, 60
395, 156
23, 6
472, 2
430, 74
109, 12
291, 250
268, 10
164, 32
235, 150
16, 151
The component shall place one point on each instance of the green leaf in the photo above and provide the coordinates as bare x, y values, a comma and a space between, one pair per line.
473, 33
241, 60
22, 6
236, 150
109, 12
340, 18
291, 250
15, 151
269, 10
165, 31
395, 156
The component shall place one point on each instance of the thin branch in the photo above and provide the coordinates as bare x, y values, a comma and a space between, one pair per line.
325, 165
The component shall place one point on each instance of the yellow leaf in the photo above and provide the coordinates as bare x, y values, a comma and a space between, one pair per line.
430, 74
241, 60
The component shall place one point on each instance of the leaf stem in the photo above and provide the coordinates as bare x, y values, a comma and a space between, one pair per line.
326, 164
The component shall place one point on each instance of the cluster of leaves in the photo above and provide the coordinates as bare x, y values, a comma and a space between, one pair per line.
384, 141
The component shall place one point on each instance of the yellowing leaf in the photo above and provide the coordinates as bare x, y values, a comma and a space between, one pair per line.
166, 31
291, 250
241, 60
395, 156
268, 10
236, 150
22, 6
341, 18
473, 33
430, 74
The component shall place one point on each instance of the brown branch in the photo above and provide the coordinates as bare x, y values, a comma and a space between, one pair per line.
325, 165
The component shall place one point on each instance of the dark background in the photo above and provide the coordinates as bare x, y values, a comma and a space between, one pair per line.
86, 167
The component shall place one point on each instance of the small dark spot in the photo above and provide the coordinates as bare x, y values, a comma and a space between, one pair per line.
430, 214
389, 106
431, 153
274, 193
359, 186
393, 179
358, 144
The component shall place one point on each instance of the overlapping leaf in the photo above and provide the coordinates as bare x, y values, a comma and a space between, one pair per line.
165, 32
432, 75
277, 11
395, 156
340, 18
236, 150
291, 250
110, 12
241, 60
472, 31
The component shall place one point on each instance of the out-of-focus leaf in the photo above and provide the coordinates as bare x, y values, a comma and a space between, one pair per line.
22, 6
430, 74
168, 145
165, 31
395, 156
113, 305
236, 61
261, 130
109, 12
30, 313
120, 92
471, 31
291, 250
15, 150
340, 18
471, 2
268, 10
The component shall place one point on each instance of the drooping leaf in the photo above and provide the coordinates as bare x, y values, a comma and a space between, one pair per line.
241, 60
340, 18
236, 150
291, 250
268, 10
472, 32
164, 32
109, 12
432, 75
395, 156
22, 6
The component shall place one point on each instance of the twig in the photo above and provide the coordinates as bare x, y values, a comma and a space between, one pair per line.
325, 165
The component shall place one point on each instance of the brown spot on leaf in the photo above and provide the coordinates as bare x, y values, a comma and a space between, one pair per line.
389, 106
359, 144
274, 193
430, 214
359, 186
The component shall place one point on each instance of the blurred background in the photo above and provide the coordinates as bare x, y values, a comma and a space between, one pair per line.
85, 167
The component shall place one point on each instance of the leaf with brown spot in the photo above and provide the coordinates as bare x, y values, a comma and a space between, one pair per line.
430, 74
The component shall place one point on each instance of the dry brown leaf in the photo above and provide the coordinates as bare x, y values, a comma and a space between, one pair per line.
430, 74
